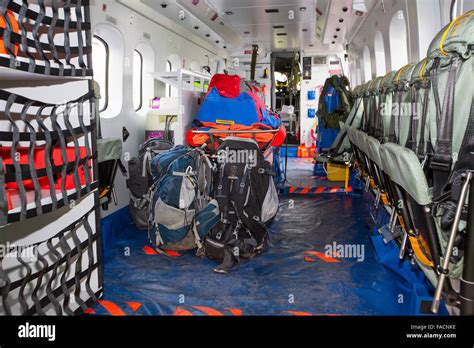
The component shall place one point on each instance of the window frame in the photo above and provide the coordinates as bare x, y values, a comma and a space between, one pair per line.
140, 105
107, 68
169, 66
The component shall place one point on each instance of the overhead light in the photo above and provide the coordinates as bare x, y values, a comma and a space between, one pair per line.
311, 45
247, 32
333, 42
345, 9
196, 27
208, 35
335, 36
305, 30
359, 13
229, 13
341, 20
302, 9
338, 29
217, 41
224, 47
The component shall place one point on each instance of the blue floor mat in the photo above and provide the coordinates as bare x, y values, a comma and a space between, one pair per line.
294, 276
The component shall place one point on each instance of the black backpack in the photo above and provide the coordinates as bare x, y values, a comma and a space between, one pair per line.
140, 179
248, 202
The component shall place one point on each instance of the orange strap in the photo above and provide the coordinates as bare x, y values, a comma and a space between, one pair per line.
302, 314
112, 308
322, 256
182, 312
208, 311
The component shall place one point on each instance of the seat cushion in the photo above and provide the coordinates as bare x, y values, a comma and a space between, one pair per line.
404, 168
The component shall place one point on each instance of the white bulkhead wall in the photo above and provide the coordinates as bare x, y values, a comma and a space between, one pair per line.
124, 31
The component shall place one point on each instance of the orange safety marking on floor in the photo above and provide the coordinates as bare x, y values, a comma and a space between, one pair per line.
305, 190
292, 189
112, 308
301, 314
349, 189
320, 190
182, 312
234, 311
135, 306
208, 311
334, 190
322, 256
149, 250
309, 259
172, 253
89, 311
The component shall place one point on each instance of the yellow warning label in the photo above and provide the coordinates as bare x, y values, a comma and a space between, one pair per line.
225, 122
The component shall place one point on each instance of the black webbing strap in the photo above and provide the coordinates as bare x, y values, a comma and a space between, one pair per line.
80, 40
62, 147
14, 157
52, 278
26, 42
54, 270
67, 39
378, 123
65, 245
78, 271
466, 153
31, 159
6, 34
414, 119
39, 282
77, 154
442, 160
36, 28
47, 157
5, 289
90, 257
253, 223
3, 196
30, 14
52, 45
21, 295
424, 115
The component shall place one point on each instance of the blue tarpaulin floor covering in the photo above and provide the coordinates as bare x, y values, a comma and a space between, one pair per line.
299, 274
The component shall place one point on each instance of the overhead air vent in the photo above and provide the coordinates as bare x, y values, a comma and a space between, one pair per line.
278, 27
281, 34
272, 10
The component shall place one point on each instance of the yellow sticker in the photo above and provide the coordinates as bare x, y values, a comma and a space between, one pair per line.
224, 122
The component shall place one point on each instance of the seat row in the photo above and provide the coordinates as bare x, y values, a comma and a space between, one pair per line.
412, 136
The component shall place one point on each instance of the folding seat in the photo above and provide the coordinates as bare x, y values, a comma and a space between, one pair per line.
414, 205
402, 105
451, 162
